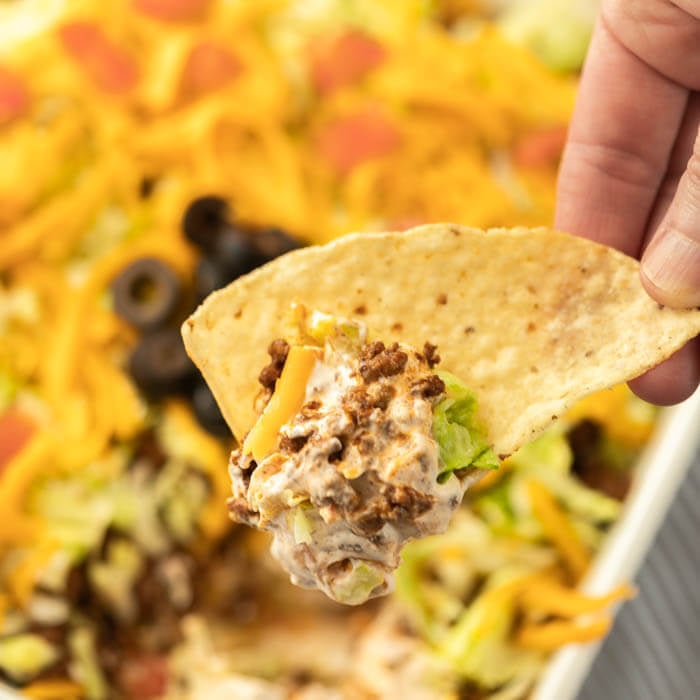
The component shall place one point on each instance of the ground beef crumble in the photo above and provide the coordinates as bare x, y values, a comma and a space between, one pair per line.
429, 387
431, 355
377, 361
278, 351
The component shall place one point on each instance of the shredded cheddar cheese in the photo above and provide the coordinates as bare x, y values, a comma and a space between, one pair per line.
53, 690
558, 529
285, 402
547, 596
433, 128
549, 636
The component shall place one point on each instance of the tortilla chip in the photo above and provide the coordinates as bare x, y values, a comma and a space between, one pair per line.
531, 320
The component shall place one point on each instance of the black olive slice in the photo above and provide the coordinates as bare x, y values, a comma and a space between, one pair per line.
208, 278
273, 242
160, 365
207, 412
204, 219
146, 293
233, 255
236, 253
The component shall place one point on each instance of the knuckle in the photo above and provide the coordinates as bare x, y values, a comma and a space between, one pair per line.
618, 163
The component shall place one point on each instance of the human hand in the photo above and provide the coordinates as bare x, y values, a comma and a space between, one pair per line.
630, 174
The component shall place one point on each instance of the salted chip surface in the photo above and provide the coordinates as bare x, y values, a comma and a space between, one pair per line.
531, 320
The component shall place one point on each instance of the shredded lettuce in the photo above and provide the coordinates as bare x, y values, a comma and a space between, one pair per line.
302, 526
478, 643
86, 666
357, 586
558, 31
25, 655
549, 458
461, 439
458, 561
114, 579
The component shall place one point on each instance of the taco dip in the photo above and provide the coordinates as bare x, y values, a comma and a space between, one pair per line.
152, 152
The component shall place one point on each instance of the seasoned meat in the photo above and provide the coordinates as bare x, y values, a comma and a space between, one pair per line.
429, 387
431, 355
354, 475
269, 374
378, 361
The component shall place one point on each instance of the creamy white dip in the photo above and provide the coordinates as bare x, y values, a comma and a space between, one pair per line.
355, 476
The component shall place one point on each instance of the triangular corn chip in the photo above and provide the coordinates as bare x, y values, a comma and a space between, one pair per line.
530, 320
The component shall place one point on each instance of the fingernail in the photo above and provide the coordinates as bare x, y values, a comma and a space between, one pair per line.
672, 265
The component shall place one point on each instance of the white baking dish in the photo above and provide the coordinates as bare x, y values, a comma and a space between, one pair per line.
662, 468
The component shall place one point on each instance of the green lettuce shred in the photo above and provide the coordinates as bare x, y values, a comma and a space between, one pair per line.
357, 586
86, 665
461, 439
558, 31
549, 459
24, 656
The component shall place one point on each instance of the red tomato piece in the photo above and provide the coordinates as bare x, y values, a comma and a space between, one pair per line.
540, 148
106, 63
344, 60
14, 96
172, 10
357, 138
144, 676
403, 223
209, 67
15, 431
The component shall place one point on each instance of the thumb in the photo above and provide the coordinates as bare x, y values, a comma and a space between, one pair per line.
671, 263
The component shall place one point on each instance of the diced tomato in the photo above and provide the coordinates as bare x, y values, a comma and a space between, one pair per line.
14, 96
540, 148
405, 222
107, 64
209, 67
172, 10
144, 676
344, 59
357, 138
16, 429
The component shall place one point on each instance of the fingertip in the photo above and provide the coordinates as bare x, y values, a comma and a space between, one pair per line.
670, 269
674, 380
658, 293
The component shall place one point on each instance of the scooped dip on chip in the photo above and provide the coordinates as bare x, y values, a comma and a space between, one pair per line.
358, 444
360, 447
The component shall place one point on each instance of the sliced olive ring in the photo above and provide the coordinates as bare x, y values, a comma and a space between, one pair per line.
273, 242
236, 252
207, 412
160, 365
204, 219
146, 293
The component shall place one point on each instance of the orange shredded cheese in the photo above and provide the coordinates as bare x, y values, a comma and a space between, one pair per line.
550, 636
23, 576
558, 529
19, 474
53, 690
547, 596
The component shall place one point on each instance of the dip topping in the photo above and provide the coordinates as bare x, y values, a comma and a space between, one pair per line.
342, 466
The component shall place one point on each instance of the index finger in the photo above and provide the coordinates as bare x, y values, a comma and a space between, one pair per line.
623, 129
